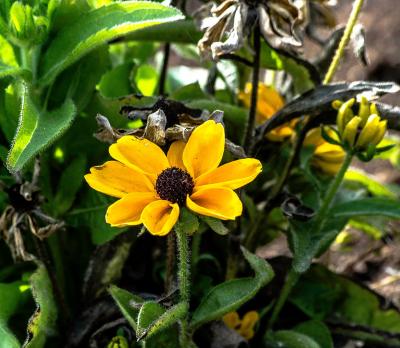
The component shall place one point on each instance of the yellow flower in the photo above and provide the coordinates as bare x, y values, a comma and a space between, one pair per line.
245, 326
269, 102
153, 186
327, 157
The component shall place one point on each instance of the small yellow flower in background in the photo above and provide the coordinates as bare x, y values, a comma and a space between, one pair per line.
327, 157
268, 103
152, 186
360, 131
244, 326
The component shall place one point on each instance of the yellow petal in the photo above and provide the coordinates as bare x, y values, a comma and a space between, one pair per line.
280, 134
382, 126
369, 131
175, 154
140, 154
205, 148
330, 168
330, 153
127, 210
232, 175
248, 322
115, 179
314, 137
351, 130
221, 203
231, 320
159, 217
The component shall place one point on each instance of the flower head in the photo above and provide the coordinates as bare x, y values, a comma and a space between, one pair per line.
327, 157
269, 101
244, 326
152, 186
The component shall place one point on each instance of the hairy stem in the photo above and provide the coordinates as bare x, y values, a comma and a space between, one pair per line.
169, 272
248, 138
184, 279
344, 41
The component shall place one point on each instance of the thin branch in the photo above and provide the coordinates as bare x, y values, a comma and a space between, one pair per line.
236, 58
164, 68
248, 139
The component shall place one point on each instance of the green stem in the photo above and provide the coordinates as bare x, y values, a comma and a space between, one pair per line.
183, 276
330, 194
344, 41
290, 282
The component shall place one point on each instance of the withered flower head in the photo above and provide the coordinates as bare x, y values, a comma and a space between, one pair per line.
226, 25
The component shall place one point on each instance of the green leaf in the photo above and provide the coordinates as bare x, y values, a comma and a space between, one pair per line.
12, 71
189, 92
373, 186
306, 243
216, 225
153, 318
12, 297
115, 83
126, 303
182, 31
291, 339
366, 207
146, 79
316, 330
189, 221
42, 324
324, 295
68, 186
230, 295
37, 130
97, 27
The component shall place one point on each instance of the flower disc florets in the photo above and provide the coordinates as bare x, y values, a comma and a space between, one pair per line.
174, 184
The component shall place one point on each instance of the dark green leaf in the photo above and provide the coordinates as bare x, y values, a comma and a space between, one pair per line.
290, 339
189, 221
115, 83
230, 295
216, 225
37, 130
316, 330
366, 207
127, 304
97, 27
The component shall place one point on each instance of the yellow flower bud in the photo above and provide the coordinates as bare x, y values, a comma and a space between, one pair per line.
345, 114
368, 132
364, 110
382, 126
351, 130
374, 110
336, 104
118, 342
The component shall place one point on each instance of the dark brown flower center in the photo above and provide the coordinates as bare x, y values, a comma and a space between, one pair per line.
174, 184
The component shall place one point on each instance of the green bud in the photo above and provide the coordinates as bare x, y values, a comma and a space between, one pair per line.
25, 28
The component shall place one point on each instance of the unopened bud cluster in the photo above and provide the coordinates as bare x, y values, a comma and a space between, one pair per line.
359, 133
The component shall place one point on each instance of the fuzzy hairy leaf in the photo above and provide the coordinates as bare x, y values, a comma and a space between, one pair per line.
99, 26
36, 130
125, 301
42, 324
153, 318
230, 295
291, 339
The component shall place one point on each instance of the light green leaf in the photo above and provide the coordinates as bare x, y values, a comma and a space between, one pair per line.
99, 26
373, 186
367, 207
189, 92
37, 130
146, 79
291, 339
216, 225
230, 295
126, 302
153, 318
42, 324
